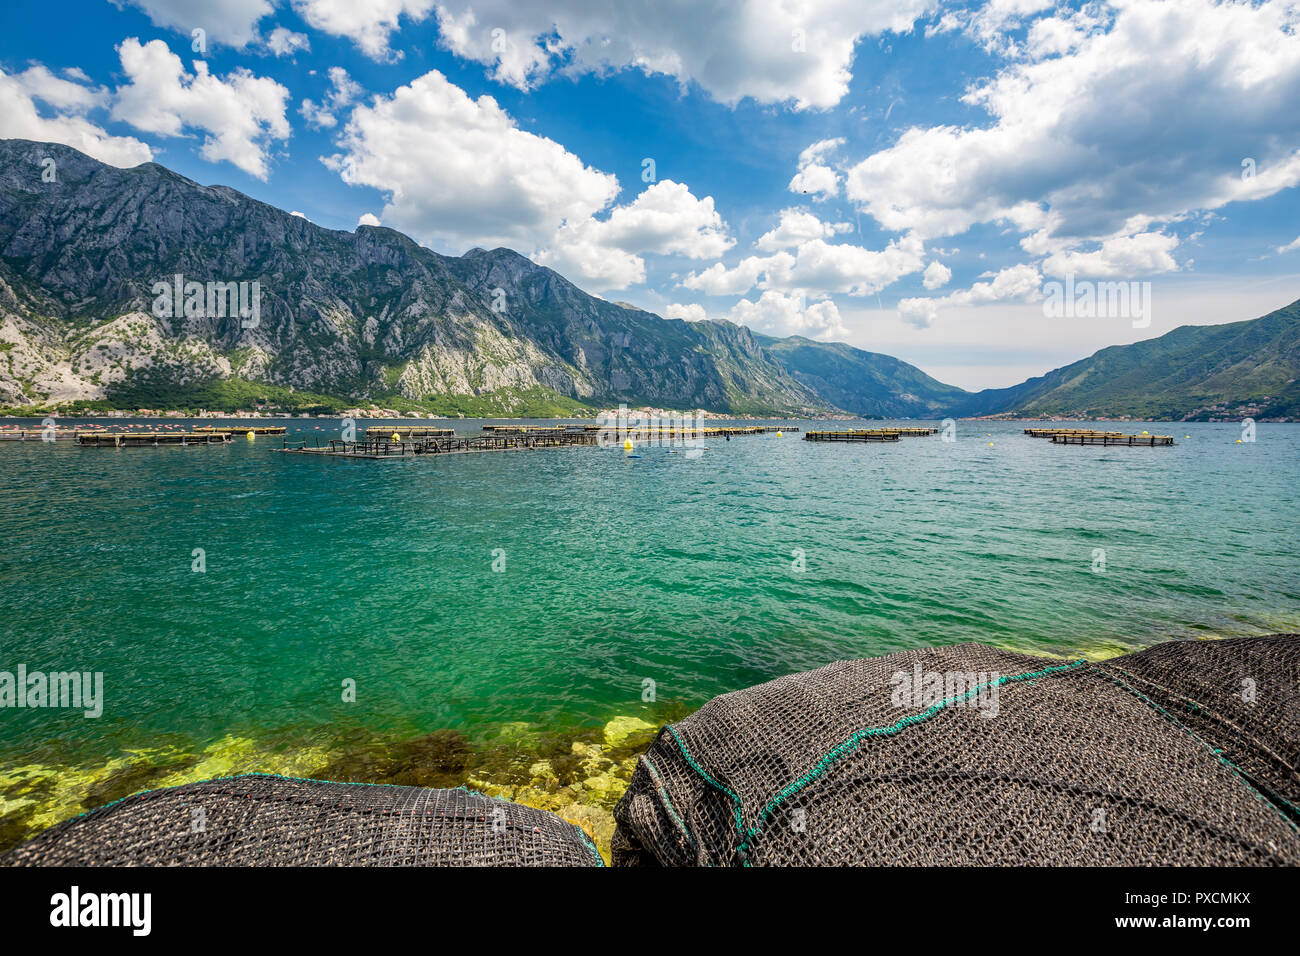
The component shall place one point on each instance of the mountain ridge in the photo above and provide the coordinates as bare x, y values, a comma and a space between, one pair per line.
366, 316
371, 317
1248, 368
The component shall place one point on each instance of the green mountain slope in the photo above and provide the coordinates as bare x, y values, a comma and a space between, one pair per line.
1193, 373
868, 384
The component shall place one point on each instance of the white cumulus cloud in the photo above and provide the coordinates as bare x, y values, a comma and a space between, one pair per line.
459, 171
369, 24
814, 176
1110, 131
70, 100
797, 226
772, 51
691, 312
936, 275
666, 219
284, 42
343, 92
816, 267
776, 313
717, 279
232, 22
240, 115
1127, 256
1019, 282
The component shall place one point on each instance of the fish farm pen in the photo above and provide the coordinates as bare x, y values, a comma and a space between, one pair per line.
245, 429
409, 431
149, 439
1151, 441
1053, 432
36, 434
866, 434
522, 429
630, 427
376, 449
651, 432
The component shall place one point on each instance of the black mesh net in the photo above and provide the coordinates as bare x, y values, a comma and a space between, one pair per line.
1185, 753
262, 820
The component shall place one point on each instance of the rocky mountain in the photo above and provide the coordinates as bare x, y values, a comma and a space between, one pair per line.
121, 287
344, 316
1194, 373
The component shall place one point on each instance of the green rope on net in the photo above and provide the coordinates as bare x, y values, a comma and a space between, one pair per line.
842, 750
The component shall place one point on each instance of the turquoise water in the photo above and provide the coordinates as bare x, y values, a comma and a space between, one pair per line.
670, 568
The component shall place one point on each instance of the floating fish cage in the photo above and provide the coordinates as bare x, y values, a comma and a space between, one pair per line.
652, 432
149, 439
856, 435
377, 449
406, 432
521, 429
245, 429
36, 434
1151, 441
890, 433
1052, 432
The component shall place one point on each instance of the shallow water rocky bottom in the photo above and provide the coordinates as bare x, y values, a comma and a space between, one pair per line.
578, 776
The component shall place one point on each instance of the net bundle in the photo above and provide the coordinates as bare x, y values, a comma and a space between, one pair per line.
1182, 754
264, 820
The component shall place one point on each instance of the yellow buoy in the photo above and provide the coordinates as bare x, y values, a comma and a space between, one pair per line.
1144, 431
627, 444
1238, 441
396, 437
251, 437
990, 444
779, 434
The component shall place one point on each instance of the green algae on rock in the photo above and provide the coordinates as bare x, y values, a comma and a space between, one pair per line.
578, 779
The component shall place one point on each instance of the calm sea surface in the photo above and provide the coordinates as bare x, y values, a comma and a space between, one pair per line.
762, 557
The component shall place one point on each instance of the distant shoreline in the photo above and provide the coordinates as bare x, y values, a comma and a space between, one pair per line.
712, 416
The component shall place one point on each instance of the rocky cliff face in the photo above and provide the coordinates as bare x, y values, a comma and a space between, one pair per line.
369, 316
362, 315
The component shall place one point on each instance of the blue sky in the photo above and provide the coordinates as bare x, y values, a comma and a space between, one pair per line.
906, 176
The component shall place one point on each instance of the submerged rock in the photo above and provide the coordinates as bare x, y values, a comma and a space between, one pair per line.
234, 755
142, 773
629, 731
440, 759
579, 779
